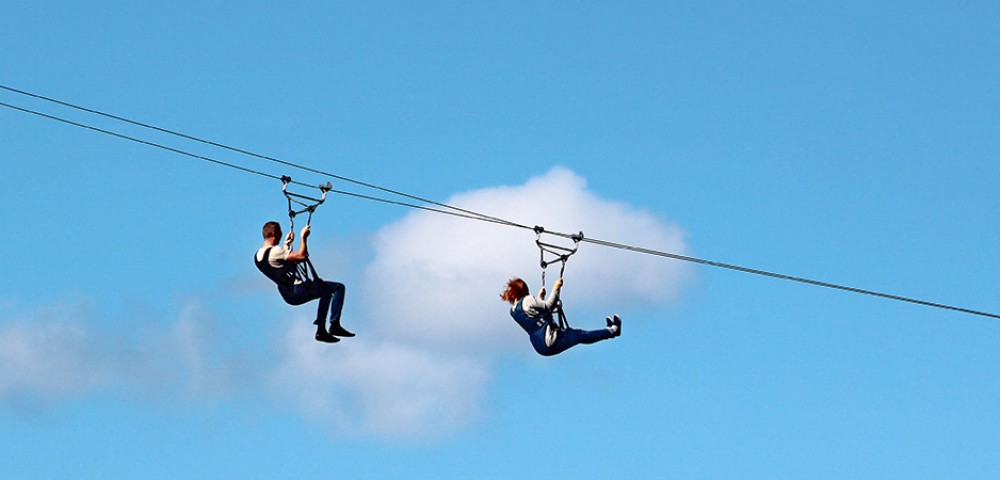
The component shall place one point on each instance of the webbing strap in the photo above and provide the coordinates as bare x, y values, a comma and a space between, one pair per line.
264, 265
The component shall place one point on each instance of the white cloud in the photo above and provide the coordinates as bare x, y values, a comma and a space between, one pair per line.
435, 279
431, 322
431, 299
47, 360
59, 352
379, 388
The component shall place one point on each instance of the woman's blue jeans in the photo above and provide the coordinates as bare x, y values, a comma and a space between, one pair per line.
566, 339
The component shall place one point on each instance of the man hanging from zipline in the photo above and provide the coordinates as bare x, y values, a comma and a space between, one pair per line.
279, 263
294, 273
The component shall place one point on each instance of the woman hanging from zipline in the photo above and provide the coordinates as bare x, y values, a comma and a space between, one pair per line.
548, 335
534, 315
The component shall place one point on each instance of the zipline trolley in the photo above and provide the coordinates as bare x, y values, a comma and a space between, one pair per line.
557, 254
304, 270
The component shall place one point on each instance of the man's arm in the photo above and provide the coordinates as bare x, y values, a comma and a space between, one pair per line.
303, 251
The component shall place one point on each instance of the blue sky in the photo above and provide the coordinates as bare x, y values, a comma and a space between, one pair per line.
850, 142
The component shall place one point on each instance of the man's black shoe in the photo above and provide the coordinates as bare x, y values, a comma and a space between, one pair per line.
323, 336
336, 329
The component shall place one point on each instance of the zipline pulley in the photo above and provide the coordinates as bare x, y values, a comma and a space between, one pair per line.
304, 270
558, 254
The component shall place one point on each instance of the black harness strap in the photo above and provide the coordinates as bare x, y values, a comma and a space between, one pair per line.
278, 276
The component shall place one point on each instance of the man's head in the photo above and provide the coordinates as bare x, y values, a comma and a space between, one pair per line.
272, 230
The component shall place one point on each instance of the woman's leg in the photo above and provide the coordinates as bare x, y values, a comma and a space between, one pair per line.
569, 338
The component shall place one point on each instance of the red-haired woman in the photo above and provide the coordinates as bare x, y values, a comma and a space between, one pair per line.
534, 315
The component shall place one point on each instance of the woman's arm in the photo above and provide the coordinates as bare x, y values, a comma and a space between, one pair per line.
547, 304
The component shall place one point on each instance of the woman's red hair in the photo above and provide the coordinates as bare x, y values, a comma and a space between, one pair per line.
516, 290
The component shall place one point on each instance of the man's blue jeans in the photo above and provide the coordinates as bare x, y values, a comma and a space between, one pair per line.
330, 295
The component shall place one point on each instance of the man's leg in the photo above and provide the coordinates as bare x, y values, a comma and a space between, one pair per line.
306, 292
335, 300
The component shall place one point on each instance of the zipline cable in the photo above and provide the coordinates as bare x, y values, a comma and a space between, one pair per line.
245, 169
245, 152
783, 276
138, 140
459, 212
